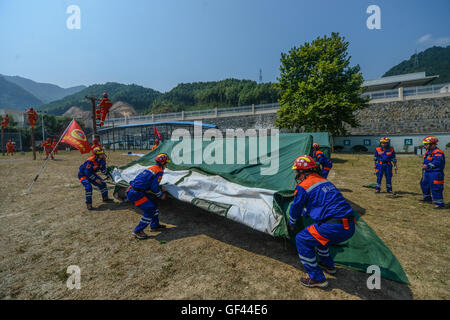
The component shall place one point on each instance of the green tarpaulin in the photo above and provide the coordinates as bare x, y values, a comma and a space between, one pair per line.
256, 190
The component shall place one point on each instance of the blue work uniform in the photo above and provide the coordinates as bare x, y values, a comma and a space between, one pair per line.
149, 179
325, 163
432, 182
334, 222
87, 175
383, 166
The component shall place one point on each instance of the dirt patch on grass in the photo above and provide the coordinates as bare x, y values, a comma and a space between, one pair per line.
200, 255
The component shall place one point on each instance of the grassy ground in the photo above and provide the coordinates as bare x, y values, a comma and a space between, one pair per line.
201, 255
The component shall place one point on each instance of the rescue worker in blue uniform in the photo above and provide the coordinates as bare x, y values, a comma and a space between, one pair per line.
384, 161
150, 180
321, 158
319, 199
432, 182
88, 176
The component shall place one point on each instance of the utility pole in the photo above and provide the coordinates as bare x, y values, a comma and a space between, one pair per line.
94, 123
3, 140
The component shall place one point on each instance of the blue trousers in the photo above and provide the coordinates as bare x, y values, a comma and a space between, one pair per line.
432, 186
88, 188
151, 213
316, 239
384, 169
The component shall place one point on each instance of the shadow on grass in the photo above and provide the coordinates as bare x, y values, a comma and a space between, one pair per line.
338, 160
191, 221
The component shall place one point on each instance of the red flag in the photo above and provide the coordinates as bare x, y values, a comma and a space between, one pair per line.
157, 133
75, 136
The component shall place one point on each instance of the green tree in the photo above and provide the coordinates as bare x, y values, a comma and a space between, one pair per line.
319, 90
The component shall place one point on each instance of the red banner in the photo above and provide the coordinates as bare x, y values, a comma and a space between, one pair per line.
75, 137
157, 133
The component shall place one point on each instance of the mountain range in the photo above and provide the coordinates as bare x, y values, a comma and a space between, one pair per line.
20, 93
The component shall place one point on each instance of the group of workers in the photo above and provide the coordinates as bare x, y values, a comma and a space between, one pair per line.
314, 197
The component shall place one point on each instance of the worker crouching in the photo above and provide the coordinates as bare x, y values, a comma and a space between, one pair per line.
148, 180
88, 176
333, 216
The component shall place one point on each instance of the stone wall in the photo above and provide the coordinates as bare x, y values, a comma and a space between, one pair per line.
404, 117
399, 117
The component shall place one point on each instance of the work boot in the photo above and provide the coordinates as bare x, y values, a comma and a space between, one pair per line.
141, 235
160, 226
89, 206
108, 200
307, 282
327, 269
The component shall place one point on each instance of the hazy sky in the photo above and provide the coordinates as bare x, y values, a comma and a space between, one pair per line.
160, 43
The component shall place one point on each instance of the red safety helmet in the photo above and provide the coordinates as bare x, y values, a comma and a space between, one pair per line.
385, 140
315, 145
304, 162
95, 141
105, 95
162, 158
156, 141
430, 139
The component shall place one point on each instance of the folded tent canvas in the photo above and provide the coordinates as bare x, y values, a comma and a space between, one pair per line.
241, 192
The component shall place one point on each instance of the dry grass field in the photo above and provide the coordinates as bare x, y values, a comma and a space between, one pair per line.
201, 255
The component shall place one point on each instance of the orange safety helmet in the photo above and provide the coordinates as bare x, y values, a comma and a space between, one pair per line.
430, 139
162, 158
304, 162
385, 140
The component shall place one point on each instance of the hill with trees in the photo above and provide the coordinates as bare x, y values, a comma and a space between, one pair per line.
212, 94
185, 96
137, 96
434, 61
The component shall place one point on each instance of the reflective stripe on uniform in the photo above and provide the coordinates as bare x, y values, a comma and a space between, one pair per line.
315, 185
140, 201
322, 240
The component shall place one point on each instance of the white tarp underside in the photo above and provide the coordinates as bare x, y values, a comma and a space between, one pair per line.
250, 206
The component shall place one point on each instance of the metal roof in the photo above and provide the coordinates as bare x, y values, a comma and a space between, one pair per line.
189, 123
393, 82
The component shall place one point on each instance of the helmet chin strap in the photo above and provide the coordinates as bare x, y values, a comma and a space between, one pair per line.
300, 173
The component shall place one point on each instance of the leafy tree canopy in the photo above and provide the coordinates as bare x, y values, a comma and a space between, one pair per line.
319, 90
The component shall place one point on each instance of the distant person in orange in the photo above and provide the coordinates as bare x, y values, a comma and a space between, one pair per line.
104, 106
48, 148
54, 143
96, 144
5, 121
9, 148
156, 144
32, 116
